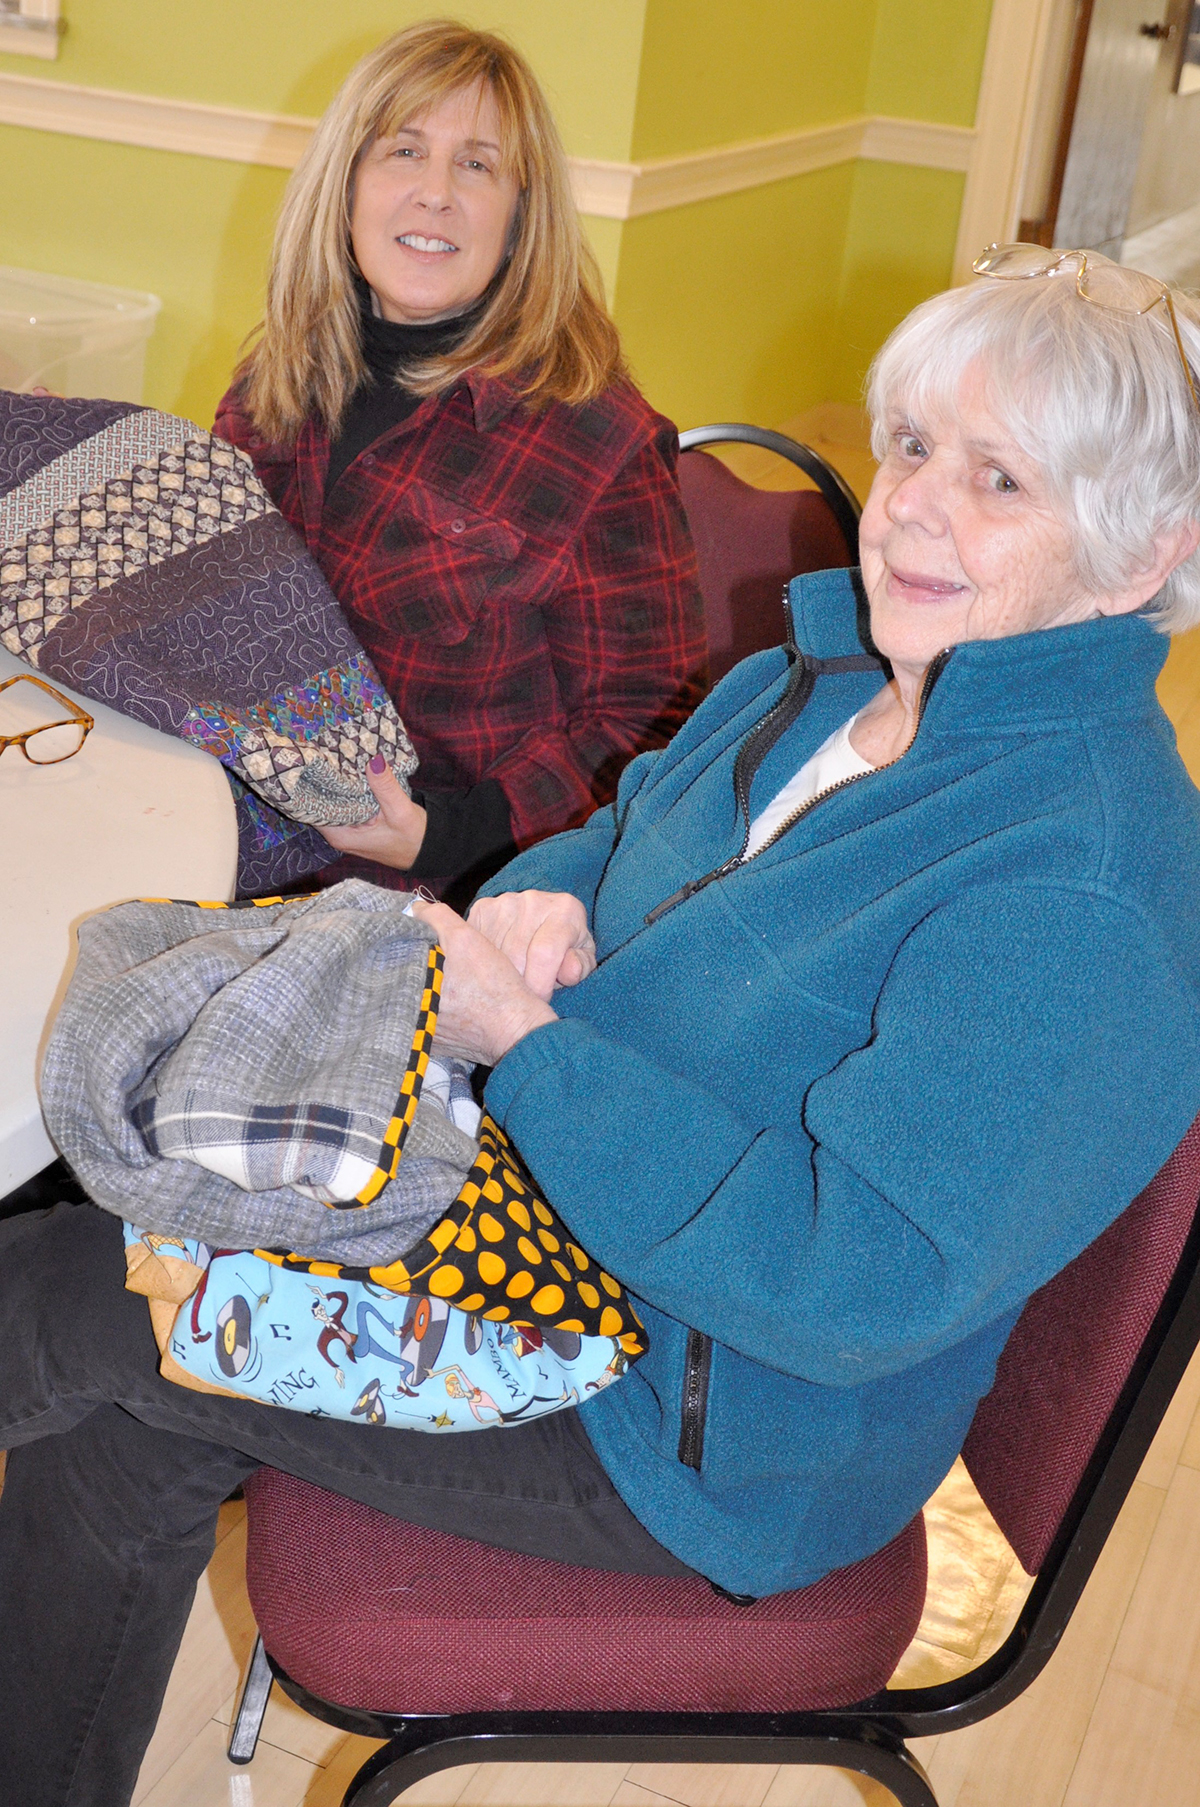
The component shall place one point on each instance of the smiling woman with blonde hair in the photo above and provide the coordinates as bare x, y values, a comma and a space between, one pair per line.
437, 400
544, 322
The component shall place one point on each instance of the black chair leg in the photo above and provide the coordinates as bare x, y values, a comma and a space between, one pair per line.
247, 1724
413, 1754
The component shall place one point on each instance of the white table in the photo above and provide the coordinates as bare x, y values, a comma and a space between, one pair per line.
134, 814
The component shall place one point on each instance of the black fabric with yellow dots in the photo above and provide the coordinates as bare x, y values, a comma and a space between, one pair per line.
502, 1253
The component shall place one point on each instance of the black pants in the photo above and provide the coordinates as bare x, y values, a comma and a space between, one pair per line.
109, 1508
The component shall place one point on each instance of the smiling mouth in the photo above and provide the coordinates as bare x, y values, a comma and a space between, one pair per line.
415, 242
914, 581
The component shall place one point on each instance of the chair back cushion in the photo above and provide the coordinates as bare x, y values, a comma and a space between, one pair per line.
366, 1611
1069, 1356
749, 542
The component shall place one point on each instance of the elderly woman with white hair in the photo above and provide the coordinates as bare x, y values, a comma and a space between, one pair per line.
875, 999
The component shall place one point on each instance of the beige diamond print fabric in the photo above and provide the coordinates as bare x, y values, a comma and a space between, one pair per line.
184, 495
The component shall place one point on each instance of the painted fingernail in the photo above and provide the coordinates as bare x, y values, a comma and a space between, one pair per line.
378, 764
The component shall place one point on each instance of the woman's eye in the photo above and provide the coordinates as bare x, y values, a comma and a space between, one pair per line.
909, 446
1001, 483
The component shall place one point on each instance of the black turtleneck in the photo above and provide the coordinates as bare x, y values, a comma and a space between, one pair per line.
380, 402
468, 833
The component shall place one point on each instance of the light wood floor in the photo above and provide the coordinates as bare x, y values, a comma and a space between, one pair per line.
1114, 1721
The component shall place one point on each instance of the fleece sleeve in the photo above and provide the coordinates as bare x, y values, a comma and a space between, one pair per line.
1034, 1057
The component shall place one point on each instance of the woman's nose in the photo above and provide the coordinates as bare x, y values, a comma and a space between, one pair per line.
920, 499
433, 187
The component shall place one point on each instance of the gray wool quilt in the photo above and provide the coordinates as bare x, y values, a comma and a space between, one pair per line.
250, 1076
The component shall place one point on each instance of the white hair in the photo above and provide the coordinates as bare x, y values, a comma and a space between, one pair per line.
1097, 399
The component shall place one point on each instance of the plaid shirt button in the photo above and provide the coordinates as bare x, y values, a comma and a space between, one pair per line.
523, 580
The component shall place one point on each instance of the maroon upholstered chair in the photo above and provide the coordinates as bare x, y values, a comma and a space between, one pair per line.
455, 1653
750, 541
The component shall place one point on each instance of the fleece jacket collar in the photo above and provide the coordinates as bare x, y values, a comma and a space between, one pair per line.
1024, 683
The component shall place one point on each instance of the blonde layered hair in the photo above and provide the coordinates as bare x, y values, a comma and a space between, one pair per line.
543, 325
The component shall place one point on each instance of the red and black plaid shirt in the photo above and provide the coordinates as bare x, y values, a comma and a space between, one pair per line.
525, 583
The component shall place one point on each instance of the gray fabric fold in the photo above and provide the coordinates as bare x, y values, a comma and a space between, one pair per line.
269, 1042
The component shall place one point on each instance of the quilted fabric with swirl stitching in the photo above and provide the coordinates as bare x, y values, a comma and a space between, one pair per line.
143, 563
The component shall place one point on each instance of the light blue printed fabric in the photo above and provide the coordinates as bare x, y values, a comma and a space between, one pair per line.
339, 1348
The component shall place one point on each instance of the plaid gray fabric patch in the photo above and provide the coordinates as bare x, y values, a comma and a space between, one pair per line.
232, 1074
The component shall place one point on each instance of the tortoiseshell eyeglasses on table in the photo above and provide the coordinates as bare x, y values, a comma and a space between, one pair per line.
51, 742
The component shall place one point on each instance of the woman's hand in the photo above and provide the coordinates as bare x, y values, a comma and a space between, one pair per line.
544, 933
486, 1006
394, 836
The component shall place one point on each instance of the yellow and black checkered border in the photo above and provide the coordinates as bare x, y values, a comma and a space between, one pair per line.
243, 903
388, 1158
394, 1135
580, 1297
460, 1260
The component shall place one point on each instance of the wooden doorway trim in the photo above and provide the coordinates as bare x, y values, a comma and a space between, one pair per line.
1041, 230
1019, 35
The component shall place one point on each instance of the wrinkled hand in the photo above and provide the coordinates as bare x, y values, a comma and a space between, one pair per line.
544, 933
394, 836
486, 1006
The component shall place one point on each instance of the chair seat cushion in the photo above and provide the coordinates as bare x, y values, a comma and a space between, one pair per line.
368, 1612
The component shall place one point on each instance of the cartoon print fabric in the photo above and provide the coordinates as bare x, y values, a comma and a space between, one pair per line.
143, 563
257, 1082
349, 1349
501, 1252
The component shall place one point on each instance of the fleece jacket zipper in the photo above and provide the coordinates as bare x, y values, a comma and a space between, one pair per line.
697, 1360
754, 749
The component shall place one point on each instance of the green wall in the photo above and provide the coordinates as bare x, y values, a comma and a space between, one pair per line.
899, 246
707, 339
758, 304
927, 58
724, 70
288, 56
764, 303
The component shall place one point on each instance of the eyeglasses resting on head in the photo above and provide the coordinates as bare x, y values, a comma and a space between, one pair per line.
1097, 279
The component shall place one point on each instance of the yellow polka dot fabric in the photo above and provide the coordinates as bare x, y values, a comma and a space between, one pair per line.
504, 1254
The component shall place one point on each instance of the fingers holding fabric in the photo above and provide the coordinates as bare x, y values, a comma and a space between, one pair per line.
394, 836
486, 1005
544, 933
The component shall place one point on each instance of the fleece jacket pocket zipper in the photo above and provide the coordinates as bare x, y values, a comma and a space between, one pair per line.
697, 1361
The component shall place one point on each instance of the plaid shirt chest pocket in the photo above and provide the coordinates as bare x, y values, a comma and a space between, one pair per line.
446, 560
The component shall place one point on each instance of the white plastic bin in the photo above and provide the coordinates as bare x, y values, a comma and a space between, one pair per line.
74, 338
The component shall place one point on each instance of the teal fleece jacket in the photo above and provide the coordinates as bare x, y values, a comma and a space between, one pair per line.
834, 1116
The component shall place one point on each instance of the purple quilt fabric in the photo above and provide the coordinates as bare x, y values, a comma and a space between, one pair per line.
143, 563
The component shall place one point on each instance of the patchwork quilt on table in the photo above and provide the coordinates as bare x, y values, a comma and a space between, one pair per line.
143, 564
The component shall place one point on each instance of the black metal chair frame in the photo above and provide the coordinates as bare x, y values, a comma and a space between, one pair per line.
842, 500
868, 1736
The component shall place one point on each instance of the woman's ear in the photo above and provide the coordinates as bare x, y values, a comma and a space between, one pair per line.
1170, 550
